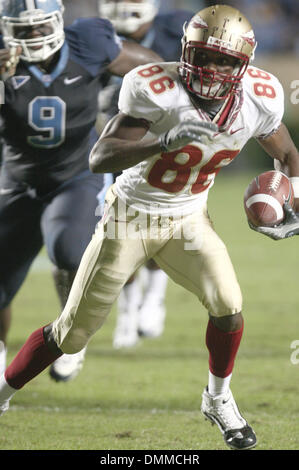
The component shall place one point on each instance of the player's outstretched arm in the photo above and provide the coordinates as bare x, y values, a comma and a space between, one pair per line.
132, 55
281, 147
120, 145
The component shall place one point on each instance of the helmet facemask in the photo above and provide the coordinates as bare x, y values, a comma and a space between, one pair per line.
35, 49
128, 17
207, 83
223, 33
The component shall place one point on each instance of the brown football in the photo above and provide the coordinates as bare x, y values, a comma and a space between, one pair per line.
265, 196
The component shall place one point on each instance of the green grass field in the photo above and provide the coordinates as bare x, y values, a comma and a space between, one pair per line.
149, 397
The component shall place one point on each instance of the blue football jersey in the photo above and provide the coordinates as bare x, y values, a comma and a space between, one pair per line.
164, 37
48, 117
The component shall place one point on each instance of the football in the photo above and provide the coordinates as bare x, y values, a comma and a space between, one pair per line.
264, 198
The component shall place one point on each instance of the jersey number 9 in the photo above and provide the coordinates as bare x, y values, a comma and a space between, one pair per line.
46, 115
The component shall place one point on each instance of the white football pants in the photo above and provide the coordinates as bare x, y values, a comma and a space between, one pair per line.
187, 249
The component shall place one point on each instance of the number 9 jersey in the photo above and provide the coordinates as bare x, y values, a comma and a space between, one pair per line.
48, 117
177, 183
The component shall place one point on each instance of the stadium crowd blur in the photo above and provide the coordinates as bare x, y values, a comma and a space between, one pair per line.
275, 22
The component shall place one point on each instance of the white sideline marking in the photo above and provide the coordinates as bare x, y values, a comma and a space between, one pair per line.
57, 409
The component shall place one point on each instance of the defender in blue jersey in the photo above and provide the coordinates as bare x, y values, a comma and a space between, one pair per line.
141, 306
47, 193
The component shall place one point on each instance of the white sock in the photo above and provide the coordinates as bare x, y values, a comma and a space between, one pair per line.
130, 297
155, 287
218, 385
6, 391
2, 357
143, 274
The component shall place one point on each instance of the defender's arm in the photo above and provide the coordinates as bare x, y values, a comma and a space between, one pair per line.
130, 56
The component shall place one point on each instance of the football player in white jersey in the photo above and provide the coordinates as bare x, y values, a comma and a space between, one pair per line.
141, 303
178, 125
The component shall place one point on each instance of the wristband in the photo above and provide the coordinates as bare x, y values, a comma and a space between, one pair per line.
295, 183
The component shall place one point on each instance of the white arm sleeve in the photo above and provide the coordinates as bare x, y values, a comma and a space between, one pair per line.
135, 101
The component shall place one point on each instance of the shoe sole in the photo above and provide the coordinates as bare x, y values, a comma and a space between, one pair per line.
213, 421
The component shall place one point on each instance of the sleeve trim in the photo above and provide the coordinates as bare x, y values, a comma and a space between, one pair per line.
269, 134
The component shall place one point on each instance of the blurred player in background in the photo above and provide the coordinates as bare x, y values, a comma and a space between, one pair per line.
178, 124
47, 192
141, 306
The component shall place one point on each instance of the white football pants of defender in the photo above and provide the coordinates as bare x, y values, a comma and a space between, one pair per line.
199, 262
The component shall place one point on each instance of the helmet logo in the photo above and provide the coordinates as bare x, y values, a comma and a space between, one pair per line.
197, 22
249, 37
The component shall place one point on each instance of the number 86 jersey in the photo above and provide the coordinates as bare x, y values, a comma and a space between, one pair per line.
178, 182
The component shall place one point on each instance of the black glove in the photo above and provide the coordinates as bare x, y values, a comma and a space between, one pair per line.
288, 228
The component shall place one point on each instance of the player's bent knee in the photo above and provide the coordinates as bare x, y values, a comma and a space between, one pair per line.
228, 301
65, 253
